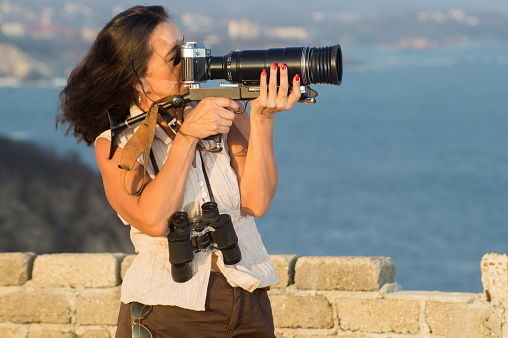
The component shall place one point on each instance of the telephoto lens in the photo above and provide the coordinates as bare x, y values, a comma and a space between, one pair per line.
181, 252
313, 64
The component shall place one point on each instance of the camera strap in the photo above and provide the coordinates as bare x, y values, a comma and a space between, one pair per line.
140, 143
142, 140
207, 181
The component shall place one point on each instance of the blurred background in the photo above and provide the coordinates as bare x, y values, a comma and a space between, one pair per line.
406, 159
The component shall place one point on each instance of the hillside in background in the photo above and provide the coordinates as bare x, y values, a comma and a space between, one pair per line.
51, 205
45, 40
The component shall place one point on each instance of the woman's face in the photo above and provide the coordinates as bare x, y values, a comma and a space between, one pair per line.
163, 77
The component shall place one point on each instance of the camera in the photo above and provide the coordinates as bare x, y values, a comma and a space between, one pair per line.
214, 230
313, 64
242, 68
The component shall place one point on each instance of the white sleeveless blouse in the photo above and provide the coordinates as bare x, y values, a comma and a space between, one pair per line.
148, 280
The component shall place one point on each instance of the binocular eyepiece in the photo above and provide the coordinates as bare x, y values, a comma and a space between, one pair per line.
215, 230
314, 65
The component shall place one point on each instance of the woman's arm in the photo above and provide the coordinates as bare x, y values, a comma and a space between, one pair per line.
150, 211
251, 142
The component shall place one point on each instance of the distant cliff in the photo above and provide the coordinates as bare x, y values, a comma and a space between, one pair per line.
18, 64
51, 205
55, 34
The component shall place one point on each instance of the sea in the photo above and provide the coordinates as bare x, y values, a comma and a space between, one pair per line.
407, 159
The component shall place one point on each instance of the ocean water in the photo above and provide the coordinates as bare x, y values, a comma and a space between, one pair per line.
407, 159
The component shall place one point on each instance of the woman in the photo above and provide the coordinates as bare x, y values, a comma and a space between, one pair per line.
134, 62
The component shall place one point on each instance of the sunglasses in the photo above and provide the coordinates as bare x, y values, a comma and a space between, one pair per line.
177, 58
140, 312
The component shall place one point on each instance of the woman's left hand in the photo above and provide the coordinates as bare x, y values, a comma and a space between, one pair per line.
271, 100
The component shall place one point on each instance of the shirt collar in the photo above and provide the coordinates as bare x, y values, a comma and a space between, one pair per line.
135, 111
159, 132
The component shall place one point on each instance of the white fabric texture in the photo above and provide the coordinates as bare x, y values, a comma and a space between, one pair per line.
149, 281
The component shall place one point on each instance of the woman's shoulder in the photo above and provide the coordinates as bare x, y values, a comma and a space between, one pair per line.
105, 134
125, 134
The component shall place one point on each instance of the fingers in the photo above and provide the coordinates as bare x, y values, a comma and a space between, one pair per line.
274, 98
284, 85
295, 95
272, 87
263, 86
211, 116
278, 96
222, 114
227, 103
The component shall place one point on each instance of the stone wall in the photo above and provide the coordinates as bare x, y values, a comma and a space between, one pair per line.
77, 295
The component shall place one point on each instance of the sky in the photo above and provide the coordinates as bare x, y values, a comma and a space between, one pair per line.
296, 7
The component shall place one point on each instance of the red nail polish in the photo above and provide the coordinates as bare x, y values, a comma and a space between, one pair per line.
264, 72
283, 66
297, 77
274, 66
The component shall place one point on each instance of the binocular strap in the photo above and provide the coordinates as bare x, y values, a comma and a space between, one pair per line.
208, 186
207, 181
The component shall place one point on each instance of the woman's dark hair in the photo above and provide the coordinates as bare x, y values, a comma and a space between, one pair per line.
105, 78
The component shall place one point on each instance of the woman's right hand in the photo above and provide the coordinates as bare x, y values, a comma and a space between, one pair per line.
211, 116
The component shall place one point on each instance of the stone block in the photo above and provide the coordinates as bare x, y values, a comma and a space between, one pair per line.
379, 315
313, 334
342, 334
50, 332
505, 325
73, 270
98, 306
285, 269
12, 330
126, 263
439, 314
15, 267
95, 332
480, 320
451, 319
307, 311
495, 277
343, 273
18, 305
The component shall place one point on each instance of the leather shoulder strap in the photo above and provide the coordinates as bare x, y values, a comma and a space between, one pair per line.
140, 143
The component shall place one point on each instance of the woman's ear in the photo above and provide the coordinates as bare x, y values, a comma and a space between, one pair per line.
142, 86
138, 87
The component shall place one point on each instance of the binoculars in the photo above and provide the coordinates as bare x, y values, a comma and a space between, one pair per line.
214, 230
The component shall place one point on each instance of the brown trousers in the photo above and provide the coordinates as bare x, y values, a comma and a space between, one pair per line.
229, 312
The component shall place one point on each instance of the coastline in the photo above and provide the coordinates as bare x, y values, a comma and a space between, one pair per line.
56, 82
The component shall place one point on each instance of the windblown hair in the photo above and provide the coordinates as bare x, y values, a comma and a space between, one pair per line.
105, 78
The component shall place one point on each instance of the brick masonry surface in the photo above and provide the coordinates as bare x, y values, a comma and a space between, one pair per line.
77, 295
